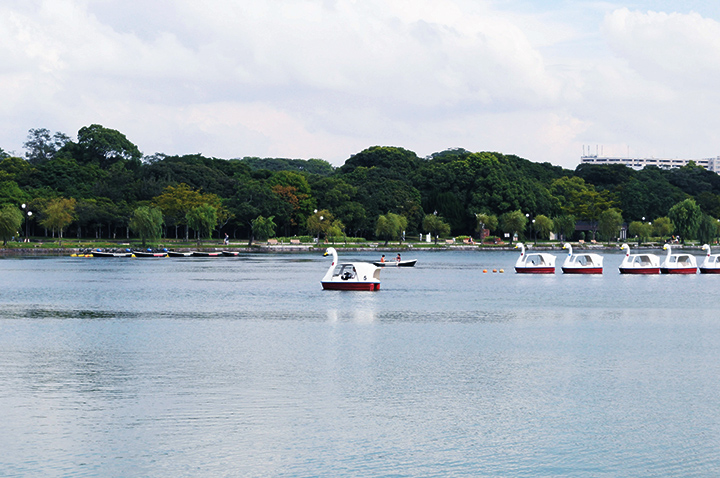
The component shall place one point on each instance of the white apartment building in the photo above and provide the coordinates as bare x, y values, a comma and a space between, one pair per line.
711, 164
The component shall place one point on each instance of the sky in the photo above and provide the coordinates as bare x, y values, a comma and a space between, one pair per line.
544, 80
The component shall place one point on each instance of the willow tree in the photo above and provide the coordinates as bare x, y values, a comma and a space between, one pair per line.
686, 216
390, 226
146, 222
10, 220
436, 226
262, 228
202, 219
513, 222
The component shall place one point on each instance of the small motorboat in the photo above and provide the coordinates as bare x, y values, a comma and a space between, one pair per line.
230, 253
711, 264
150, 253
535, 263
179, 254
406, 263
639, 263
583, 263
111, 253
682, 263
206, 254
350, 275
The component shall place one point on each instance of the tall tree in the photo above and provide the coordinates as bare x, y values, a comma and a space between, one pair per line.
436, 226
641, 230
686, 216
11, 219
202, 219
513, 223
564, 225
262, 228
609, 223
146, 222
543, 226
42, 147
58, 214
106, 146
390, 226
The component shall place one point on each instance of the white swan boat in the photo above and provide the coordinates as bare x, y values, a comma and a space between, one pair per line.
682, 263
583, 263
350, 275
639, 263
535, 263
711, 264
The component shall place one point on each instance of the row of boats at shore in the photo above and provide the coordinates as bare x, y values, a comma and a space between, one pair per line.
152, 253
366, 276
639, 263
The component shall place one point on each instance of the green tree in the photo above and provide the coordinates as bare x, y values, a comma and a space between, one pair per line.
686, 216
662, 227
11, 219
105, 146
564, 225
320, 223
485, 221
641, 230
262, 228
202, 219
58, 214
609, 223
41, 147
436, 226
543, 226
390, 226
708, 229
146, 222
512, 223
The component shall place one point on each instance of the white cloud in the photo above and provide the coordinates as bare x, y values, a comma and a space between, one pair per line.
324, 78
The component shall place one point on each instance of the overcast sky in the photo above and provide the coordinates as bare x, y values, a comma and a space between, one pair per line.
327, 79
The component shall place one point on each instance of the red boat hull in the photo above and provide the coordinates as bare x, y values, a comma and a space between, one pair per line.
370, 286
679, 270
535, 270
640, 270
582, 270
704, 270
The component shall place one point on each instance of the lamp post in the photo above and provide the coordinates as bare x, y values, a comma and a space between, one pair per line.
28, 213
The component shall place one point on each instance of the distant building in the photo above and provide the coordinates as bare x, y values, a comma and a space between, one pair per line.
711, 164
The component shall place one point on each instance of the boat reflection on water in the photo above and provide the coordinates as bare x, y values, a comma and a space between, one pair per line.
357, 316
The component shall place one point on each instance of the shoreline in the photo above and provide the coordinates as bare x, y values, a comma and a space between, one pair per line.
307, 248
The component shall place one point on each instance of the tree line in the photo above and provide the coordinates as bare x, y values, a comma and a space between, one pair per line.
101, 186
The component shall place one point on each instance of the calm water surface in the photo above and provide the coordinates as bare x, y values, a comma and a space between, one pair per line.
246, 367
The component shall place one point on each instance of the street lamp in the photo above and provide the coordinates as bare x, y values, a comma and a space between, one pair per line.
29, 215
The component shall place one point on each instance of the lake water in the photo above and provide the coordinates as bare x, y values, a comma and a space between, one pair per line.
246, 367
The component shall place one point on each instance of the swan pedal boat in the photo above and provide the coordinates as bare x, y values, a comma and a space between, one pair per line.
407, 263
583, 263
711, 264
678, 263
350, 275
639, 263
535, 263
